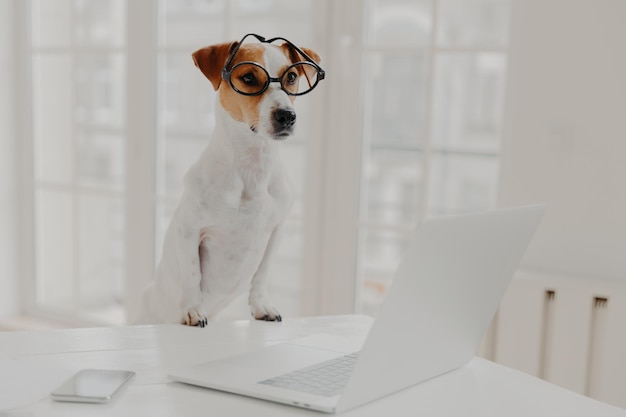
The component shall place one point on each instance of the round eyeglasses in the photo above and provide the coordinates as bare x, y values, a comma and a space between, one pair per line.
251, 79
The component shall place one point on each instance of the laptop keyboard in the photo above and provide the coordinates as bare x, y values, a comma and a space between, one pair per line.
326, 378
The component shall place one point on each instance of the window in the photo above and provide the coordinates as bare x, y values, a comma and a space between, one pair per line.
407, 125
434, 75
79, 135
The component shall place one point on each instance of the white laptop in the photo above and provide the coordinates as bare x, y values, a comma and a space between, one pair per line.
436, 312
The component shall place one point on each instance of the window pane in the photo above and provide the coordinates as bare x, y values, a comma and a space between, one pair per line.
400, 23
440, 132
469, 101
51, 22
396, 106
269, 8
186, 118
269, 18
462, 184
100, 22
79, 94
383, 251
190, 23
392, 188
53, 116
101, 254
177, 154
55, 249
92, 22
474, 23
101, 89
101, 159
186, 96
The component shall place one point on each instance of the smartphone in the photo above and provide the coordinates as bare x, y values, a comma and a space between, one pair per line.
92, 386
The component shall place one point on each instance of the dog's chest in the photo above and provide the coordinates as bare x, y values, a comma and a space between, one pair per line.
243, 218
257, 211
237, 238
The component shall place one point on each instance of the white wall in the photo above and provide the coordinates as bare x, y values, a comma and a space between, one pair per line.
566, 132
8, 140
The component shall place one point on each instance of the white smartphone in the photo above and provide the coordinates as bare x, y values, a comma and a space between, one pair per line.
92, 386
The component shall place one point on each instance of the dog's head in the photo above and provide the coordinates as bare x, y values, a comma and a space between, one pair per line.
260, 95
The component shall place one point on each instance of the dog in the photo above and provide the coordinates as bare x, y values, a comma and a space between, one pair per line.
236, 195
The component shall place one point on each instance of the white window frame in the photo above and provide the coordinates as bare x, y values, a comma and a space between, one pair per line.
141, 145
25, 150
330, 278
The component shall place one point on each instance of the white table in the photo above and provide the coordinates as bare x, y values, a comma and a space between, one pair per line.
481, 388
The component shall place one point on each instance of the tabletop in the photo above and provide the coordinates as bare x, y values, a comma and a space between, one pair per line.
481, 388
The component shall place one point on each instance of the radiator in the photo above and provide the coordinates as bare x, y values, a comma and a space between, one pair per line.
568, 330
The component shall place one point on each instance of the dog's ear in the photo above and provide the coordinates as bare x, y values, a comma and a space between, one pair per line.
294, 57
211, 59
314, 55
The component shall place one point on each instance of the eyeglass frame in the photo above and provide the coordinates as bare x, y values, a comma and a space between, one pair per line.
226, 73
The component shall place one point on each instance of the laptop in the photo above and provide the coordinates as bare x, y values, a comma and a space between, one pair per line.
436, 312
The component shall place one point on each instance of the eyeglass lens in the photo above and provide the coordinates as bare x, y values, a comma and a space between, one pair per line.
297, 79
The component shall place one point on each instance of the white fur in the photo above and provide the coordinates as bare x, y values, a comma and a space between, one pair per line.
226, 225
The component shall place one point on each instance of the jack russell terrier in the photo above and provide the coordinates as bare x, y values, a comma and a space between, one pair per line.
236, 195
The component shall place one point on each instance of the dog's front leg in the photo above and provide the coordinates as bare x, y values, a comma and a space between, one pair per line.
188, 242
259, 300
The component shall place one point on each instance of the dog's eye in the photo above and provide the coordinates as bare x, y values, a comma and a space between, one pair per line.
291, 78
249, 79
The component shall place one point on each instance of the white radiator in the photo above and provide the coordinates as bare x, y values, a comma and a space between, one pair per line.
567, 330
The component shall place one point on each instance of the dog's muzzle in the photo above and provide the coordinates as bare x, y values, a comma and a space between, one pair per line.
283, 122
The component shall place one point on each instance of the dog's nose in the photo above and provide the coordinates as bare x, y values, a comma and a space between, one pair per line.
285, 118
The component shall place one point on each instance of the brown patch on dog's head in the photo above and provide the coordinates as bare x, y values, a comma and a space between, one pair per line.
211, 59
243, 108
295, 56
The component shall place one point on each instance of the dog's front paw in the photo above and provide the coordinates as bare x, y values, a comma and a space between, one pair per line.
193, 317
262, 309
